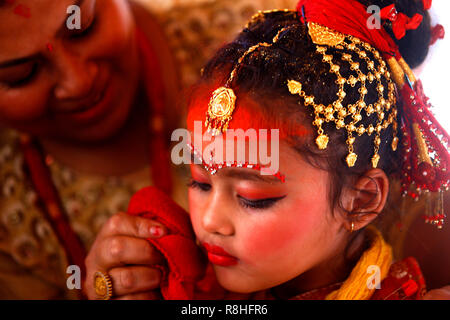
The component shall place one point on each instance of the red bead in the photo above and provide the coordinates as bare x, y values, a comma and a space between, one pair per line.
425, 173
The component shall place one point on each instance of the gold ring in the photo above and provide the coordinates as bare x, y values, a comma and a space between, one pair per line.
103, 286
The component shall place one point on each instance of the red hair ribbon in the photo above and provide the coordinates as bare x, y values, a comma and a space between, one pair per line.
400, 21
437, 32
427, 4
348, 17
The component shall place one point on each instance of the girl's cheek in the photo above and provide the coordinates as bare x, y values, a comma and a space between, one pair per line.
278, 233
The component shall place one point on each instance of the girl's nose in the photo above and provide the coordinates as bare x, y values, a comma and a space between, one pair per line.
218, 218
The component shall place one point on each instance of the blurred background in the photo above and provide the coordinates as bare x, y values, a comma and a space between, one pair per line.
435, 70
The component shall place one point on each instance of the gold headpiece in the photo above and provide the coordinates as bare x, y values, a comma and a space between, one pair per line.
223, 100
338, 113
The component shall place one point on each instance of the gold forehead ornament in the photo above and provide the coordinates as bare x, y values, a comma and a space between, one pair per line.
223, 100
220, 110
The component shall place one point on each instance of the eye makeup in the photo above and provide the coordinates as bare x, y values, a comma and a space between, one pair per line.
260, 203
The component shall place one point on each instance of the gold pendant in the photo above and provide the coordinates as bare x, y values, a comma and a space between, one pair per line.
394, 144
375, 160
351, 159
220, 110
322, 141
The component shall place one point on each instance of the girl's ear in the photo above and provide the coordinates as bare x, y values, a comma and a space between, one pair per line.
368, 196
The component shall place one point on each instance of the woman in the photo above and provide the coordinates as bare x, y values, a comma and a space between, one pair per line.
297, 237
85, 116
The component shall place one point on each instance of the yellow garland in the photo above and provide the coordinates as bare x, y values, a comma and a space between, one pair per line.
355, 287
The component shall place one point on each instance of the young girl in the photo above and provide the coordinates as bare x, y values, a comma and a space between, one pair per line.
349, 113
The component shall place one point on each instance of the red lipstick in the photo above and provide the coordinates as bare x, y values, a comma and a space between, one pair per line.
218, 256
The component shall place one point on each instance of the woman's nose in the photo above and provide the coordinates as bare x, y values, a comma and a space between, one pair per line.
218, 218
76, 77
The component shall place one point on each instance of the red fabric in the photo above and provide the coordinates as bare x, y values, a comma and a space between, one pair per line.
404, 282
348, 17
415, 113
437, 32
54, 210
185, 262
427, 4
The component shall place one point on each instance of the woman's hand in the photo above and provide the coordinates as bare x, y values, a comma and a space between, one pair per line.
438, 294
122, 251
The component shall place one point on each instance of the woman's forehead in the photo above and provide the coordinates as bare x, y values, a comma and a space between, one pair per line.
27, 25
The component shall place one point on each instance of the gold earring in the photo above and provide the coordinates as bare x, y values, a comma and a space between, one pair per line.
352, 227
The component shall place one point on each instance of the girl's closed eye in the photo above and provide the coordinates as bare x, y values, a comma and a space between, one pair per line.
259, 203
199, 185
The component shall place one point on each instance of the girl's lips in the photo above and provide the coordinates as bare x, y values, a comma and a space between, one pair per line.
219, 256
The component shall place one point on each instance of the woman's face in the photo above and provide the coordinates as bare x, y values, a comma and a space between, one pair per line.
76, 85
260, 232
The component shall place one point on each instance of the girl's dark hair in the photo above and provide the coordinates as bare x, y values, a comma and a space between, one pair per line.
263, 75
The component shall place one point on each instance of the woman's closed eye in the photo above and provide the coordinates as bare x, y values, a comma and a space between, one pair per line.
259, 203
19, 76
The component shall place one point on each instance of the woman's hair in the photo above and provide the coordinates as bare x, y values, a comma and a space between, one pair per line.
262, 76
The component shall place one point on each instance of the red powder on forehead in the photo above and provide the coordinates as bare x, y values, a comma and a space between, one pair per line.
49, 47
22, 10
248, 114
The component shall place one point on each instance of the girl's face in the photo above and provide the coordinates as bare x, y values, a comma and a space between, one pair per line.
68, 84
260, 232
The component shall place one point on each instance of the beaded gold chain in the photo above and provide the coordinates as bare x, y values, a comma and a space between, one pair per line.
336, 112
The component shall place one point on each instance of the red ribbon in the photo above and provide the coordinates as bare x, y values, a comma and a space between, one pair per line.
437, 32
400, 21
348, 17
427, 4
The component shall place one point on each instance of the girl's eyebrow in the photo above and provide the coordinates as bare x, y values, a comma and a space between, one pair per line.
253, 175
240, 173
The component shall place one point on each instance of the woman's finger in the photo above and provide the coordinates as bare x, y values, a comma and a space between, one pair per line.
134, 279
133, 226
120, 250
